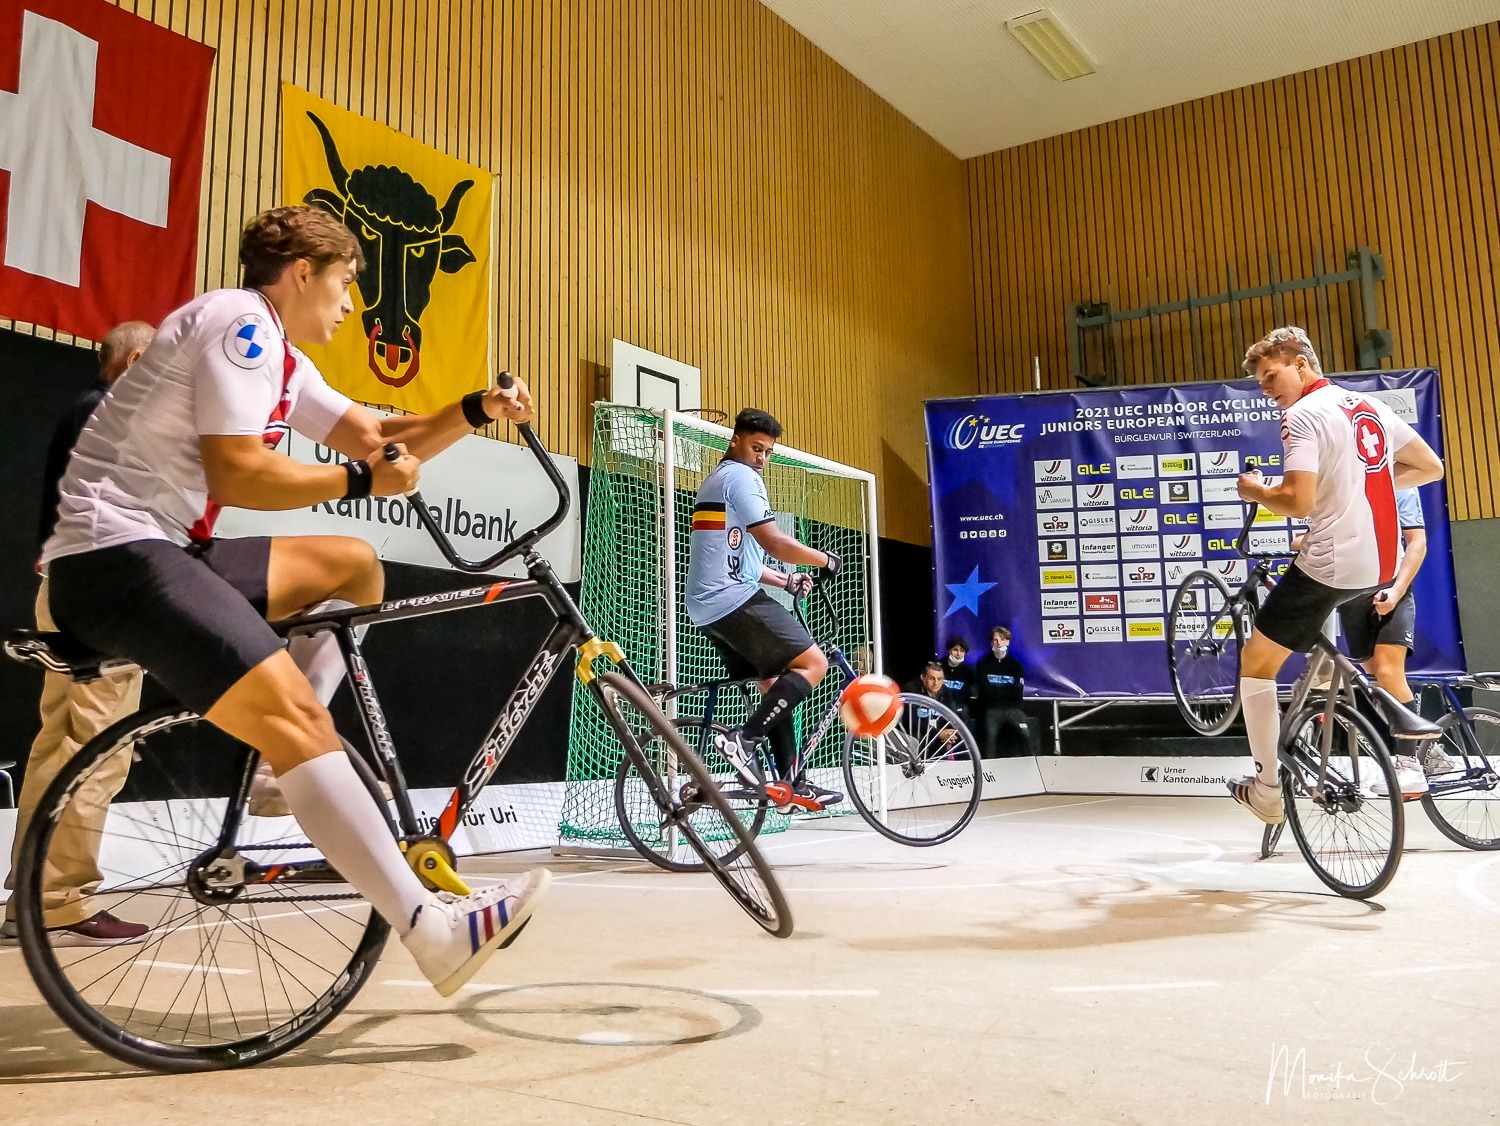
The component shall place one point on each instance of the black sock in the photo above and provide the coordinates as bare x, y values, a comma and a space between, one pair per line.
783, 739
788, 691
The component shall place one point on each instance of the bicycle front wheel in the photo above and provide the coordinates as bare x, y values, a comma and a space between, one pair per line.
252, 943
1349, 835
1464, 803
653, 836
920, 783
1204, 637
699, 813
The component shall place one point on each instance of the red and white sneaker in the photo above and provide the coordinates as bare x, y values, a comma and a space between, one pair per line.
452, 936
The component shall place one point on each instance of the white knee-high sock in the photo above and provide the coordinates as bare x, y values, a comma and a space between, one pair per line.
318, 656
341, 820
1262, 724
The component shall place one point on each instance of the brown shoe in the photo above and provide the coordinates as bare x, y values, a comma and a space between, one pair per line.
101, 929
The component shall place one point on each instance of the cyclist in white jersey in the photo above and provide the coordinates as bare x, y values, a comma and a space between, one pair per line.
134, 572
734, 531
1345, 456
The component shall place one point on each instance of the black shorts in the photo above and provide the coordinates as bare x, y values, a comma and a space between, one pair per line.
1364, 628
760, 639
194, 617
1295, 610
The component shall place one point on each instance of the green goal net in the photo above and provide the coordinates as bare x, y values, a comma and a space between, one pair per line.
635, 559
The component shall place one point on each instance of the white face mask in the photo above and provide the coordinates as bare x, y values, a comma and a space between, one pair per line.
1000, 650
955, 661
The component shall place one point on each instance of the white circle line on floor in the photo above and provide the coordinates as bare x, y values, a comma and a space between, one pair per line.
1468, 887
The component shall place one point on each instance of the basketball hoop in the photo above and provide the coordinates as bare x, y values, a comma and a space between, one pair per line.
718, 418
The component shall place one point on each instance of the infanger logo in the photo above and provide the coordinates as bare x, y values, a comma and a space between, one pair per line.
981, 430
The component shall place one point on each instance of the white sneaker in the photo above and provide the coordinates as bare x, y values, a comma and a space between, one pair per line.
1409, 776
1261, 800
739, 752
1437, 761
452, 936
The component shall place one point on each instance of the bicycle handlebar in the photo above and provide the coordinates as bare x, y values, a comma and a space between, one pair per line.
1242, 543
520, 543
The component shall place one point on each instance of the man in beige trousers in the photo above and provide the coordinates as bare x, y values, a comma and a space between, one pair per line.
73, 713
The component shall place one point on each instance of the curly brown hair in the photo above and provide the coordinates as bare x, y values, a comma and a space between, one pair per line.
275, 238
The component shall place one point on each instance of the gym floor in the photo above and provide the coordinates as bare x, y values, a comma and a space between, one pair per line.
1067, 959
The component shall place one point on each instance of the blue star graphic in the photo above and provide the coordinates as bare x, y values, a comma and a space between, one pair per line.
966, 594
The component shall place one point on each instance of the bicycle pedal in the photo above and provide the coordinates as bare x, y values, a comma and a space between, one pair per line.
780, 794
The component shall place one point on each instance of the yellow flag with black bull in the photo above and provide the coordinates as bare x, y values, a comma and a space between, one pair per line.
419, 336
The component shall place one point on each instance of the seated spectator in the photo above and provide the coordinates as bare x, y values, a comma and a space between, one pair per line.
932, 685
958, 675
1001, 681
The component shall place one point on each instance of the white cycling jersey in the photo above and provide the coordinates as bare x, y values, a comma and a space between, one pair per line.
1353, 533
218, 365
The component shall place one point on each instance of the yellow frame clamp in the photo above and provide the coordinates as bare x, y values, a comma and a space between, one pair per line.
590, 651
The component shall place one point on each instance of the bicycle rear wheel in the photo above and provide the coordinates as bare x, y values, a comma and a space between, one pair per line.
1350, 836
921, 788
1465, 804
254, 942
1204, 639
639, 722
641, 819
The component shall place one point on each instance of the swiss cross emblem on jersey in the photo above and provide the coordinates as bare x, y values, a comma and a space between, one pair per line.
101, 159
1369, 439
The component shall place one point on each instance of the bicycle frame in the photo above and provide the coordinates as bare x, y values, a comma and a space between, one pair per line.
712, 688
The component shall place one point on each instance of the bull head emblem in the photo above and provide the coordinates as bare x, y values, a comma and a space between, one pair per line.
405, 239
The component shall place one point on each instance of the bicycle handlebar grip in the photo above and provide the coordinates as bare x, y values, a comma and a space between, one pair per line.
393, 454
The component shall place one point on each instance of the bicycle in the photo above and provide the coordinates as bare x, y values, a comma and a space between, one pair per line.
1464, 804
255, 942
919, 785
1349, 835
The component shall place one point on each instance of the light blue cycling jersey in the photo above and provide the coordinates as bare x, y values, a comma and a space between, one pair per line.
1409, 509
724, 559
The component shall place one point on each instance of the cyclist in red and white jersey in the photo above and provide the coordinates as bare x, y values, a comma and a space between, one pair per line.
1345, 457
134, 570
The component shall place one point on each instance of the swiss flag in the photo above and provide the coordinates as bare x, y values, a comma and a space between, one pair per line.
101, 159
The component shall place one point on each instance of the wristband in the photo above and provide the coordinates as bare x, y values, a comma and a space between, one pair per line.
361, 480
473, 408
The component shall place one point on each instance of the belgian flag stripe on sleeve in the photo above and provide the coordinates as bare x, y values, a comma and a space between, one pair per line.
708, 517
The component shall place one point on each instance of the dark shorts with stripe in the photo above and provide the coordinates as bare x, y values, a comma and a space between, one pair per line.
1295, 610
193, 617
759, 639
1364, 628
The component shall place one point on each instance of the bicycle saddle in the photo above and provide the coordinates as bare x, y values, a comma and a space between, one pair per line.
1403, 722
57, 652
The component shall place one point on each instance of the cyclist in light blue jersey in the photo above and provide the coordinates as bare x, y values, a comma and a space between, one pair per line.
734, 533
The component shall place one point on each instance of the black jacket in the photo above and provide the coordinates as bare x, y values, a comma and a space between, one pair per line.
1001, 682
59, 449
959, 680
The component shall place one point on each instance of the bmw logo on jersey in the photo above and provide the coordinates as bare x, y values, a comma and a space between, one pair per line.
247, 341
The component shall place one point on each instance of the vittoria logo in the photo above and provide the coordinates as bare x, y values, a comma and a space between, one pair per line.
1050, 472
1222, 464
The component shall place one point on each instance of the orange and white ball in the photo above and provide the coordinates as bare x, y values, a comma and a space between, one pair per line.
870, 705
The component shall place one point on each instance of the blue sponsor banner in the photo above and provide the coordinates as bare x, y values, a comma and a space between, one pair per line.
1071, 517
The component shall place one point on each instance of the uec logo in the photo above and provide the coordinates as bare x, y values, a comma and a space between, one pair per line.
972, 427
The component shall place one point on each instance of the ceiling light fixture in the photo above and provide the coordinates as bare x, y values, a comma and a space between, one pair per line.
1049, 43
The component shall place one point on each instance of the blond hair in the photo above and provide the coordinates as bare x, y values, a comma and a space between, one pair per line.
1284, 345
